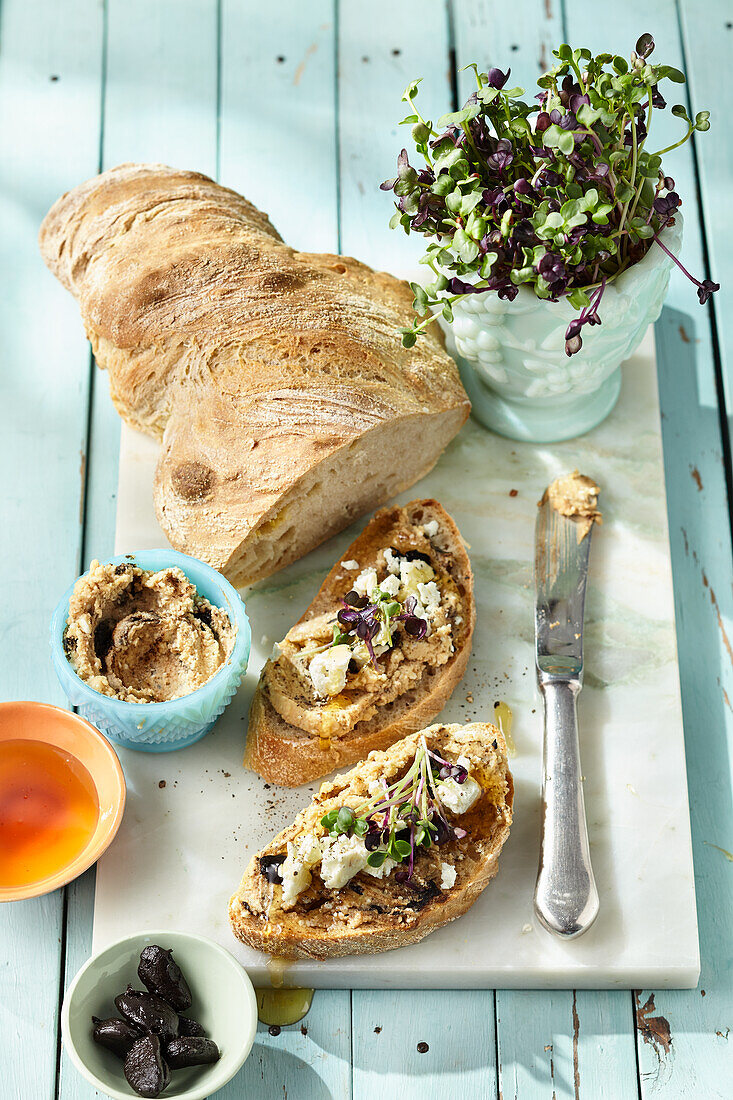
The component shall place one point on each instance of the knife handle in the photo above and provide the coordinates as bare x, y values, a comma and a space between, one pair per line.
566, 898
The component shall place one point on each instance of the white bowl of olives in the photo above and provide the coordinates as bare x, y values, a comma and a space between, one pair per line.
160, 1014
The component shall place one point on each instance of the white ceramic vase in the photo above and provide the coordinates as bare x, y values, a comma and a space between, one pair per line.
512, 354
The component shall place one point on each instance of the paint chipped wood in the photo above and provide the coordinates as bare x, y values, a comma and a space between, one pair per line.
166, 99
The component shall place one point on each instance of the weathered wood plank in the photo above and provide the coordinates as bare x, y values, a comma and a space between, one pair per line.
277, 145
311, 1060
565, 1045
160, 104
377, 58
707, 44
560, 1043
277, 125
49, 116
695, 1063
424, 1045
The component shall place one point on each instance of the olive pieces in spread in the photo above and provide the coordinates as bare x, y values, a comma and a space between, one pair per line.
153, 1039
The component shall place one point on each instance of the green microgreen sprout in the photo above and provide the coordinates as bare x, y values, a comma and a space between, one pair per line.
559, 196
405, 816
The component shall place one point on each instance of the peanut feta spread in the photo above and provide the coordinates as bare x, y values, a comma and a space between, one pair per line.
396, 619
144, 637
338, 856
575, 496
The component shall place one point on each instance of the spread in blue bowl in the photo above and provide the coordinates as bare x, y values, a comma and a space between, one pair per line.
150, 648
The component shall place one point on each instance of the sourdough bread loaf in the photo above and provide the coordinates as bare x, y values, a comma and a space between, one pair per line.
275, 380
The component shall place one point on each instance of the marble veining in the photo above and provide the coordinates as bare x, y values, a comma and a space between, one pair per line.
183, 846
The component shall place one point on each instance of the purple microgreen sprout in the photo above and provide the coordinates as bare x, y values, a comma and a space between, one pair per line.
367, 619
559, 195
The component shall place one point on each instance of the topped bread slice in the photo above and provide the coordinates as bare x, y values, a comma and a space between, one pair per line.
385, 854
375, 655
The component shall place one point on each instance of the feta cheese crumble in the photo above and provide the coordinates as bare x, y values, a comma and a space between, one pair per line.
366, 582
459, 797
429, 595
447, 876
380, 872
327, 670
343, 857
391, 560
350, 564
431, 528
296, 868
413, 573
390, 585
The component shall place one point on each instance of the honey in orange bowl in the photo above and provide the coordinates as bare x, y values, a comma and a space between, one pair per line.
62, 796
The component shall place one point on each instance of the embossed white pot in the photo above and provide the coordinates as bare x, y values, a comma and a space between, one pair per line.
512, 354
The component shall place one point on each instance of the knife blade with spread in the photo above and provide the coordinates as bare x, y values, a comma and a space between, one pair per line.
566, 898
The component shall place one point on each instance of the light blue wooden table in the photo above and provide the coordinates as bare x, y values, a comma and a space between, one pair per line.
295, 105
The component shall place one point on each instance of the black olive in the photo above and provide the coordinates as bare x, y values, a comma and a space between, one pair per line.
159, 973
353, 667
191, 1051
148, 1011
270, 868
417, 555
353, 599
396, 638
103, 638
203, 614
425, 893
187, 1026
116, 1035
145, 1070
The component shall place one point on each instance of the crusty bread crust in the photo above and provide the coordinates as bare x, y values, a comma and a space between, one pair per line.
275, 931
289, 756
275, 380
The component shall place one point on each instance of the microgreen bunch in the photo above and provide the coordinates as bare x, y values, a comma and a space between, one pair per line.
559, 196
363, 619
406, 816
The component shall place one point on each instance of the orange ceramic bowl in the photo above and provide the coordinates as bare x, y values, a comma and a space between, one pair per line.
71, 735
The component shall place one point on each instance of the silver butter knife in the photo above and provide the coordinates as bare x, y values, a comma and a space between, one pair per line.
566, 898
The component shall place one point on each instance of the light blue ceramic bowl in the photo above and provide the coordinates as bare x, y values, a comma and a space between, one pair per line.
160, 727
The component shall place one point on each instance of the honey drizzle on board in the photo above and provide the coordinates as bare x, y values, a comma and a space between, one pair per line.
503, 715
279, 1006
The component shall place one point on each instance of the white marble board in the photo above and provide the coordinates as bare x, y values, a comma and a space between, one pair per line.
194, 817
